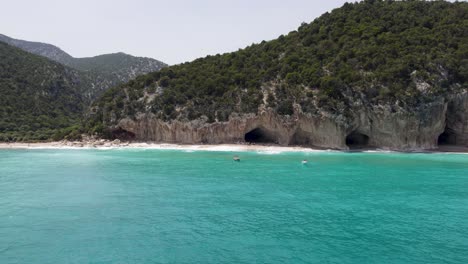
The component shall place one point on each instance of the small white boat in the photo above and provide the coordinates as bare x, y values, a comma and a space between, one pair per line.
236, 158
304, 161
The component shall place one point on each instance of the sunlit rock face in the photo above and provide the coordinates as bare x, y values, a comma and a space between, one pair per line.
380, 126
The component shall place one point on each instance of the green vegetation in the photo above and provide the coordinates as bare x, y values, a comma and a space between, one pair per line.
116, 63
109, 70
39, 99
379, 52
45, 100
404, 53
97, 73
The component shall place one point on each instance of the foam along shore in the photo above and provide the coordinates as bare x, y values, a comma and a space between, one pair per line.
116, 144
105, 144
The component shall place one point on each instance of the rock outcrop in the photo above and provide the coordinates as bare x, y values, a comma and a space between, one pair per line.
386, 127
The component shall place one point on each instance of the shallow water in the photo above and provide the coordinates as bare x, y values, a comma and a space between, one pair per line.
162, 206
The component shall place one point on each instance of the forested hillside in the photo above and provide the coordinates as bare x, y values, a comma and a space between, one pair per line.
385, 73
110, 70
42, 99
404, 53
100, 72
39, 99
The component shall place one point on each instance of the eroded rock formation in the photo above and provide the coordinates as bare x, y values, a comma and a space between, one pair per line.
444, 121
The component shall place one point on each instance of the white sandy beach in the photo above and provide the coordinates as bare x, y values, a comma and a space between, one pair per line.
143, 145
219, 147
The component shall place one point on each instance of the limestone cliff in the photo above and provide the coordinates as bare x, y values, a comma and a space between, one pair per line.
456, 125
385, 127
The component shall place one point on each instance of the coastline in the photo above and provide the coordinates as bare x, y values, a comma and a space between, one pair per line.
105, 145
272, 149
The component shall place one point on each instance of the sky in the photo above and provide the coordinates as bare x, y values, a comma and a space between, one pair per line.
173, 31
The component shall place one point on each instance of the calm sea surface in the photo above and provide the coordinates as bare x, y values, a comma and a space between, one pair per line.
161, 206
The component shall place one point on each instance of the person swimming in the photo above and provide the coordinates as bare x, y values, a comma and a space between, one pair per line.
236, 158
304, 161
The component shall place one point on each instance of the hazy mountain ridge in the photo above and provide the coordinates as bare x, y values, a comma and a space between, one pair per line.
101, 72
109, 70
43, 49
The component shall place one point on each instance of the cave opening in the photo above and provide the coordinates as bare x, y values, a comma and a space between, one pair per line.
300, 138
260, 135
357, 140
448, 137
123, 134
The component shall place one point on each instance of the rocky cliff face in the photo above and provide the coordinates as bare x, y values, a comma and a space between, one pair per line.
388, 127
456, 125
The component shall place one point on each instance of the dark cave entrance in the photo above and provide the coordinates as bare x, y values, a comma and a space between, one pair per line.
300, 138
123, 134
260, 135
448, 137
357, 140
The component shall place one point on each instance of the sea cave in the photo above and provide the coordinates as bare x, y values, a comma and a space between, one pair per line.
357, 140
448, 137
260, 135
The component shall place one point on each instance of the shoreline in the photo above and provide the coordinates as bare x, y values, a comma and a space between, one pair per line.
271, 149
108, 145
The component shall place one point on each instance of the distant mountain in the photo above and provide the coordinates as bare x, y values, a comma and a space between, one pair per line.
113, 69
102, 71
39, 98
43, 49
120, 63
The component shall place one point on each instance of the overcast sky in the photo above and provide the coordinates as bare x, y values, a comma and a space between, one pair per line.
172, 31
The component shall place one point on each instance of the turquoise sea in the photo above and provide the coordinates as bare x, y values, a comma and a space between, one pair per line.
164, 206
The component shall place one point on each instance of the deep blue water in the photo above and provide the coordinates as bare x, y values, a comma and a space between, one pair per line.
161, 206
